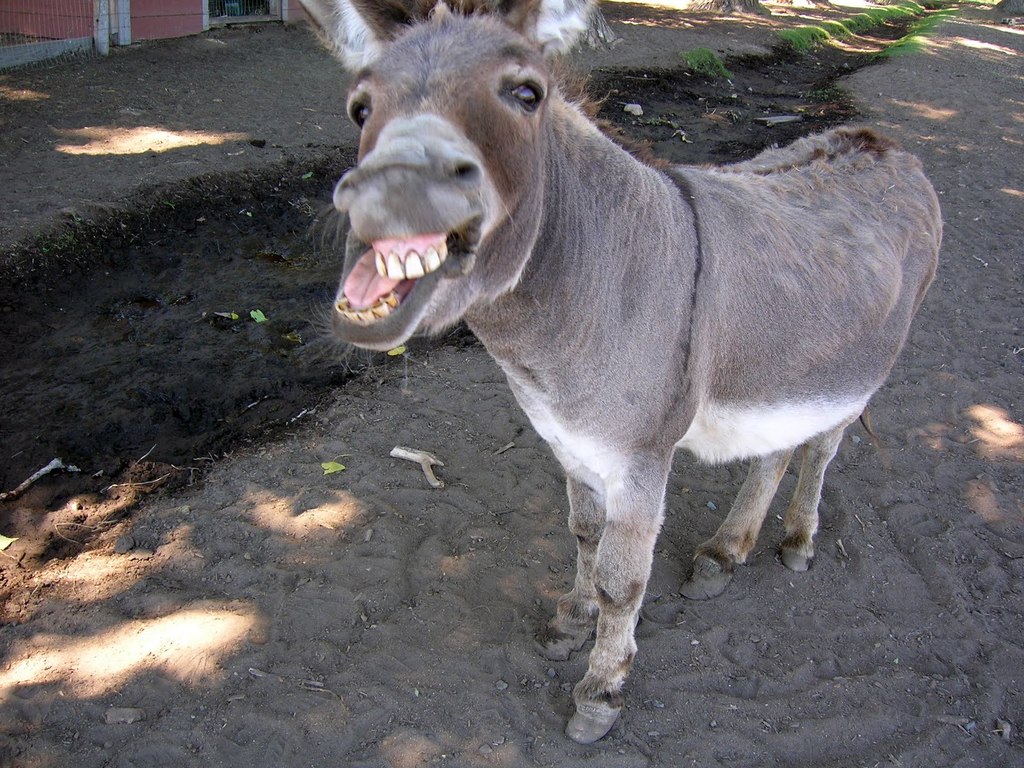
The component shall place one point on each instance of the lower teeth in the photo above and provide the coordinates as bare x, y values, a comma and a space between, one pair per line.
366, 316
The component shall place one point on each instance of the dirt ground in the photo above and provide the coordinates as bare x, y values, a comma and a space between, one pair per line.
201, 593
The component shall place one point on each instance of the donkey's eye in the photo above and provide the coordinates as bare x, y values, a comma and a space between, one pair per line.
359, 111
527, 95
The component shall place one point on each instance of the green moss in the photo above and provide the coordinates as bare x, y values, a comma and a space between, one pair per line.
807, 37
915, 40
804, 38
703, 61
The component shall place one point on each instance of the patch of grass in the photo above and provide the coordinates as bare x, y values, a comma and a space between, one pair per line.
703, 61
804, 38
828, 94
915, 40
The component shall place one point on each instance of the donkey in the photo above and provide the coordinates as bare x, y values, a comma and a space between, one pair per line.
739, 312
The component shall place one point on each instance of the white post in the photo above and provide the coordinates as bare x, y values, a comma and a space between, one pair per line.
124, 22
101, 26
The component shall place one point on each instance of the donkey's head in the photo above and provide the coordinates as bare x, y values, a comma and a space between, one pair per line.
445, 202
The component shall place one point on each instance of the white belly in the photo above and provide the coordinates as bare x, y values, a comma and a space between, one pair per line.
718, 434
721, 433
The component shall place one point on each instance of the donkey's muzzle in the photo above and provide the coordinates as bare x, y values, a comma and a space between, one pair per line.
421, 176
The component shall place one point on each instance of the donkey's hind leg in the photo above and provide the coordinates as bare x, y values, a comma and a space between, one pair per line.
717, 557
576, 614
801, 521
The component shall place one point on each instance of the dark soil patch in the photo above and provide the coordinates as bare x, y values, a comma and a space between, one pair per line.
134, 337
692, 118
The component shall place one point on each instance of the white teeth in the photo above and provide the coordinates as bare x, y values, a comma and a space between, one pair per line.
413, 266
381, 309
431, 259
395, 270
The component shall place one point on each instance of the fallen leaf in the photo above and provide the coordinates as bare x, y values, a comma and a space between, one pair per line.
330, 467
228, 315
6, 541
399, 350
258, 316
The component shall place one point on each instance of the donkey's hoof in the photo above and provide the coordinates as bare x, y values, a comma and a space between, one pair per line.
591, 722
795, 560
709, 579
556, 645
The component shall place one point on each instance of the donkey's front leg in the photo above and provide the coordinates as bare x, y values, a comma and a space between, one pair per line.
621, 570
577, 609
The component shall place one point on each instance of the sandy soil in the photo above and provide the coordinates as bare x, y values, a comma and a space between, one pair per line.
220, 600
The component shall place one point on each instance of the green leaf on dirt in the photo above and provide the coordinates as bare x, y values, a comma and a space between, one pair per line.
6, 541
399, 350
228, 315
258, 316
307, 176
330, 467
293, 337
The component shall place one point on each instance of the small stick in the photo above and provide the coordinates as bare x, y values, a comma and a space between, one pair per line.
53, 466
426, 461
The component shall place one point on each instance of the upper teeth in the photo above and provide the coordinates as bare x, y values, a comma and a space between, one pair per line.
410, 265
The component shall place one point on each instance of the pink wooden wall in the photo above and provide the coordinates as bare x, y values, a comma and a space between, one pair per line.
151, 19
154, 19
50, 19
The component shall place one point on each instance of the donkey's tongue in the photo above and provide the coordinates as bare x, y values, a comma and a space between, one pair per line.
364, 287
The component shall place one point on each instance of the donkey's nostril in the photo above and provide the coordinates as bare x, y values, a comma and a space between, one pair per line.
465, 171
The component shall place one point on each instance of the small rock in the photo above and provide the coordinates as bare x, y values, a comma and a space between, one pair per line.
551, 672
633, 109
124, 544
1003, 729
501, 685
140, 554
712, 506
485, 749
258, 143
123, 715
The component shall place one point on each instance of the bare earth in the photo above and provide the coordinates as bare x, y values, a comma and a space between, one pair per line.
221, 601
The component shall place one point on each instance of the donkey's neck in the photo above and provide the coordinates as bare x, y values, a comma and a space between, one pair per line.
616, 248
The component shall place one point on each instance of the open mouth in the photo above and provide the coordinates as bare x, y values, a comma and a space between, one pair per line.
384, 275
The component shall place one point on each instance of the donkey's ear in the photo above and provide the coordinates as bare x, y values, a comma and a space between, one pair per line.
559, 24
357, 29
